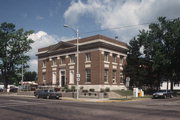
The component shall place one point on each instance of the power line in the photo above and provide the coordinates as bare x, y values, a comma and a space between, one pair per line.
121, 27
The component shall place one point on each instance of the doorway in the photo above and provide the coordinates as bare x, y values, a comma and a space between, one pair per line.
62, 78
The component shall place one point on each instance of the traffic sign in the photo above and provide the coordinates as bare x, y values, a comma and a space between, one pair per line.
78, 79
78, 75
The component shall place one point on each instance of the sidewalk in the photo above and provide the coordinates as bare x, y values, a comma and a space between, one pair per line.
104, 100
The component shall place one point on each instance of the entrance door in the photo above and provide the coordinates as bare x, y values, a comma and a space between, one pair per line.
62, 80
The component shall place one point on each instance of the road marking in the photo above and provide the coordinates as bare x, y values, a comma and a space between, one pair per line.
15, 104
11, 103
19, 101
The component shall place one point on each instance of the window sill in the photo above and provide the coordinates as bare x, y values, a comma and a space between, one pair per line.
107, 62
87, 82
71, 64
88, 62
53, 65
62, 65
114, 63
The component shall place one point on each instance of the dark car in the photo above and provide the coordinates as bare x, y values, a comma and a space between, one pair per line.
163, 94
13, 89
37, 92
48, 94
1, 89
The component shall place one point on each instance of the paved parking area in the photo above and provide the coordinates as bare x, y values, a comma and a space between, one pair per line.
31, 108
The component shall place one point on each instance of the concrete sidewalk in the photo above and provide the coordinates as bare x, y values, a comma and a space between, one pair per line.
103, 100
85, 99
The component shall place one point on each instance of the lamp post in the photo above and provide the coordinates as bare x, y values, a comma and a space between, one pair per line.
22, 77
77, 61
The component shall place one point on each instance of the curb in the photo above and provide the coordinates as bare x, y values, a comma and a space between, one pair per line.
84, 100
102, 101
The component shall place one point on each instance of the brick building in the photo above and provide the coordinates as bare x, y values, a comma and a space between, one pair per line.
101, 61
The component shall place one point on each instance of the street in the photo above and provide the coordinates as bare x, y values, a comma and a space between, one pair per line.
31, 108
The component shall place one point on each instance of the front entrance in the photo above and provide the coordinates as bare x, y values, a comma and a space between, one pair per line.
62, 78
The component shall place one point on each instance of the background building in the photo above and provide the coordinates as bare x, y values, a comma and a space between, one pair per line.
101, 61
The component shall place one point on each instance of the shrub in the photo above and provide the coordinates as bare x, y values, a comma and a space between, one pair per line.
85, 91
91, 90
107, 89
102, 90
73, 88
105, 94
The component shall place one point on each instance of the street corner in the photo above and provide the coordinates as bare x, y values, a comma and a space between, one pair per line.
126, 99
110, 100
73, 99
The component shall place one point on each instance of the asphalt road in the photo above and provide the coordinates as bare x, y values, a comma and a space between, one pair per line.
26, 108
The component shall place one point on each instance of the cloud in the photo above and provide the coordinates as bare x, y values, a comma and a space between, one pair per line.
39, 18
116, 13
41, 39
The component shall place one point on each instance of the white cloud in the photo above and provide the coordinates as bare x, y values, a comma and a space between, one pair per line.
39, 18
41, 39
116, 13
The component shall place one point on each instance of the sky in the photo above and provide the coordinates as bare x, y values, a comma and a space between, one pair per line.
122, 18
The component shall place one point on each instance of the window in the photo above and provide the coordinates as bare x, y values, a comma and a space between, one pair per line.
44, 78
88, 57
44, 63
114, 57
106, 56
121, 78
53, 62
53, 78
62, 59
106, 75
121, 59
71, 74
72, 59
114, 76
88, 75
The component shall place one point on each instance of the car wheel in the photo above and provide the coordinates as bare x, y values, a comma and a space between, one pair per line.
165, 96
57, 97
37, 96
47, 97
171, 96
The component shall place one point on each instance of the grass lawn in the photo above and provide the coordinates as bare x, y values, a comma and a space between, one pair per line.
124, 92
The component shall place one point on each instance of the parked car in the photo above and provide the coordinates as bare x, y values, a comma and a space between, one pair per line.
163, 94
36, 92
48, 94
13, 89
1, 89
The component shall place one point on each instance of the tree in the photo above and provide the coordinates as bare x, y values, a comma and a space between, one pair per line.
30, 76
14, 44
161, 51
162, 41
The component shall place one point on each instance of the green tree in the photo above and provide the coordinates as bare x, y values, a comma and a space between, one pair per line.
160, 56
30, 76
14, 44
162, 45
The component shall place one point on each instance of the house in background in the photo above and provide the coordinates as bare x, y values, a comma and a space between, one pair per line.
101, 61
164, 86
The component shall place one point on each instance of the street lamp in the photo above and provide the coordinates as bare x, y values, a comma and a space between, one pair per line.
22, 77
77, 54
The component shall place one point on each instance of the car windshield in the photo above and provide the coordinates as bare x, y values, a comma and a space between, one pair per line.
51, 90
